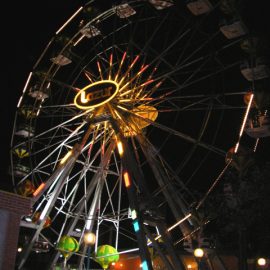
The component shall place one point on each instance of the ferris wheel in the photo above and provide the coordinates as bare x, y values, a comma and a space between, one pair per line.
125, 107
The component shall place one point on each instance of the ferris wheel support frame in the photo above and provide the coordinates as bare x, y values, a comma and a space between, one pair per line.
95, 203
91, 186
130, 165
60, 178
177, 206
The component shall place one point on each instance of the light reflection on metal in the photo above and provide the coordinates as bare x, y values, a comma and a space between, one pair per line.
24, 89
64, 159
172, 227
244, 123
69, 20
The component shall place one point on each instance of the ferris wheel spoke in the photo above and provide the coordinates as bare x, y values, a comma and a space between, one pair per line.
60, 176
110, 193
195, 102
96, 199
63, 124
191, 105
178, 134
55, 150
181, 66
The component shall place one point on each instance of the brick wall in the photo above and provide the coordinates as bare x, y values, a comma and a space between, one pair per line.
12, 207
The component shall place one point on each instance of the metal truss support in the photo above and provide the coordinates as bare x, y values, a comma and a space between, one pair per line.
90, 189
175, 203
59, 177
160, 252
129, 169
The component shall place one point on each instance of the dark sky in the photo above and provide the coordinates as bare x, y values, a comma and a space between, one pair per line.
28, 28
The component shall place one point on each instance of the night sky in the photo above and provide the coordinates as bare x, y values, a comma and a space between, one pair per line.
31, 24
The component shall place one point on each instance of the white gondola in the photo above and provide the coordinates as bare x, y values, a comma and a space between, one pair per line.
124, 11
61, 60
199, 7
257, 71
90, 31
161, 4
39, 93
258, 127
20, 170
25, 131
233, 29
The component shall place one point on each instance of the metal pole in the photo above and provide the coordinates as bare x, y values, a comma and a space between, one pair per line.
129, 166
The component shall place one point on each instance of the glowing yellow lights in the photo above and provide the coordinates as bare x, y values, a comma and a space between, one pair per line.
19, 249
120, 148
198, 253
147, 112
136, 124
89, 238
96, 94
64, 159
189, 266
261, 261
127, 180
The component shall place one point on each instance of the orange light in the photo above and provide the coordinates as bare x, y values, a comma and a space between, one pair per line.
39, 189
127, 180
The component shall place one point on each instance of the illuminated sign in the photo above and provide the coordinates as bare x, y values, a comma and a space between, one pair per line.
96, 94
